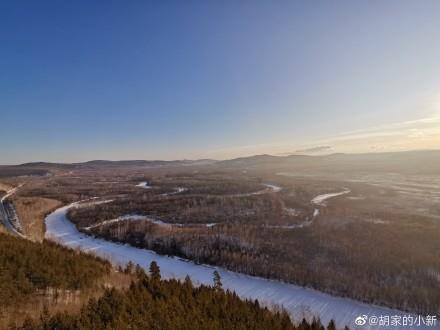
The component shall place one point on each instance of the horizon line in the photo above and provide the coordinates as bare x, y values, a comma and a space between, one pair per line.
221, 160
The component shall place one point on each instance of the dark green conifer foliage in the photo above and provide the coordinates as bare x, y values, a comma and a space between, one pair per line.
27, 267
331, 325
171, 304
188, 281
155, 271
217, 280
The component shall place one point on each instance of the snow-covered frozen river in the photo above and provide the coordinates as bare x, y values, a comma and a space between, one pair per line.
298, 301
320, 199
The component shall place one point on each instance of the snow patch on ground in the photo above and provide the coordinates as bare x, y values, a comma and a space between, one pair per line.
180, 190
143, 185
320, 199
291, 212
376, 221
273, 187
177, 190
356, 198
293, 226
141, 217
169, 225
131, 217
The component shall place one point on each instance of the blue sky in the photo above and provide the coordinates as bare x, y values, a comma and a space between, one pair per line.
83, 80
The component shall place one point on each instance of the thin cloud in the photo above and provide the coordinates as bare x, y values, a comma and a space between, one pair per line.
422, 133
315, 150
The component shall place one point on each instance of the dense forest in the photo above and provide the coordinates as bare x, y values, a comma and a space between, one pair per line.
27, 268
9, 171
152, 303
186, 209
365, 263
119, 182
373, 244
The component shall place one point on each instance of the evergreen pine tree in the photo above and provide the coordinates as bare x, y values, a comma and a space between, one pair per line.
188, 281
139, 271
331, 325
154, 271
217, 280
129, 268
44, 316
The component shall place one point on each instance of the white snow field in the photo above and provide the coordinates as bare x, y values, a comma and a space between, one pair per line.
272, 187
269, 188
131, 217
320, 199
298, 301
144, 185
177, 190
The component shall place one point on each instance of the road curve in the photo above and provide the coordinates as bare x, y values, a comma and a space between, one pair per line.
4, 216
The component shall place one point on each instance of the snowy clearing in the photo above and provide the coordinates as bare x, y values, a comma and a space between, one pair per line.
320, 199
131, 217
273, 187
143, 185
177, 190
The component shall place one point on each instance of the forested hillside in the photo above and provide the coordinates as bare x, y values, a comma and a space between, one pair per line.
150, 303
27, 268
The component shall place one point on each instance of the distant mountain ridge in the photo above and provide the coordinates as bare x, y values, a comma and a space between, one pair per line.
100, 162
415, 162
45, 168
